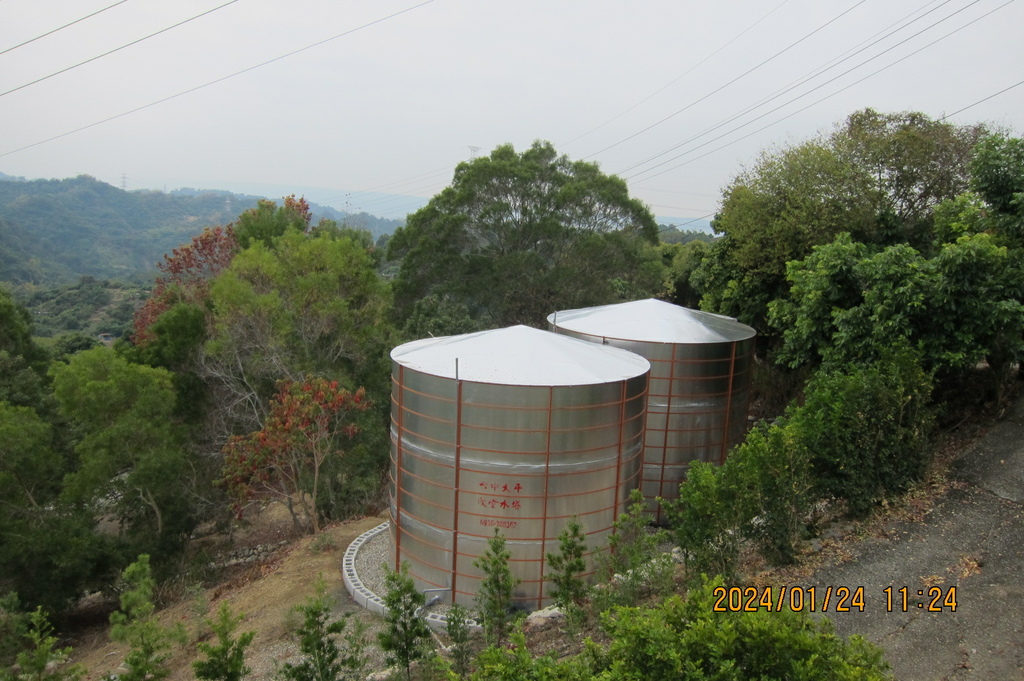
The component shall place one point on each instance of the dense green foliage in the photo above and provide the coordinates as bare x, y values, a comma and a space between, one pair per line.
685, 639
518, 235
130, 451
849, 303
859, 438
879, 177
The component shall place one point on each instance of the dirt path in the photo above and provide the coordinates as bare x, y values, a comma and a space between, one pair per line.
973, 540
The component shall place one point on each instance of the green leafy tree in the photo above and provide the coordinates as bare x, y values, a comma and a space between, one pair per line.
567, 567
135, 624
406, 637
50, 550
682, 261
324, 657
29, 469
517, 235
43, 660
998, 176
878, 177
849, 303
268, 221
305, 305
705, 519
771, 472
224, 661
130, 452
494, 597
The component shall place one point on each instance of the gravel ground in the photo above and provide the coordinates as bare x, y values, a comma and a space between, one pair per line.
373, 561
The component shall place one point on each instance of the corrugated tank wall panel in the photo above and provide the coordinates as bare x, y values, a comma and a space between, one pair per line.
470, 458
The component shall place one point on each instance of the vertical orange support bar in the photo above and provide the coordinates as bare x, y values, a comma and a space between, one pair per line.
458, 475
619, 458
669, 411
547, 480
728, 405
398, 468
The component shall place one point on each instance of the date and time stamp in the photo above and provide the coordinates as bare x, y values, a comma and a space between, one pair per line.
833, 599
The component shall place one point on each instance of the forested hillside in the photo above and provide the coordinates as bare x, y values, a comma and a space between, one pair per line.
54, 231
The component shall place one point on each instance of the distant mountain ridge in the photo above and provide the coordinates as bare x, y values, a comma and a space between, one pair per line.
56, 231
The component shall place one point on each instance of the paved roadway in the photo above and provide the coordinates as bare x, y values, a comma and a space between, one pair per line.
974, 540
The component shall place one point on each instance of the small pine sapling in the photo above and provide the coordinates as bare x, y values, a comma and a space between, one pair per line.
405, 638
567, 566
457, 629
494, 599
42, 661
224, 661
135, 624
324, 659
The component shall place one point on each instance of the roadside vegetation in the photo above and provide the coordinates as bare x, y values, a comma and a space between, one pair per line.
881, 265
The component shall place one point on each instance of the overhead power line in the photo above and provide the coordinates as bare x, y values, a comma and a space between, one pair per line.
216, 81
971, 106
804, 94
849, 54
679, 77
118, 49
815, 102
722, 87
61, 28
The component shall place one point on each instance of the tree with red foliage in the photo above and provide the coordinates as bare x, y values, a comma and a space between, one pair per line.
286, 458
189, 269
187, 273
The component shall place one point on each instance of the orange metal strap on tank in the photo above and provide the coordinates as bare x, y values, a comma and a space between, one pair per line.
458, 471
728, 404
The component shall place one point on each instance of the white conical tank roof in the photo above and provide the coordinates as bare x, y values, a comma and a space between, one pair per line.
520, 355
653, 321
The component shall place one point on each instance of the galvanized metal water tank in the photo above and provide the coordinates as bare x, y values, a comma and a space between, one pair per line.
699, 390
513, 429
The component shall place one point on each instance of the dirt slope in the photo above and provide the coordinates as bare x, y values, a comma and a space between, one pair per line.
266, 593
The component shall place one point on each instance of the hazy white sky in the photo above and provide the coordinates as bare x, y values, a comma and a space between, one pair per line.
390, 107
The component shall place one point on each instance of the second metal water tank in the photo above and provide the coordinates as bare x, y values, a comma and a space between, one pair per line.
699, 389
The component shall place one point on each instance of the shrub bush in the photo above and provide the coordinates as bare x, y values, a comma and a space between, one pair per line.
867, 429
